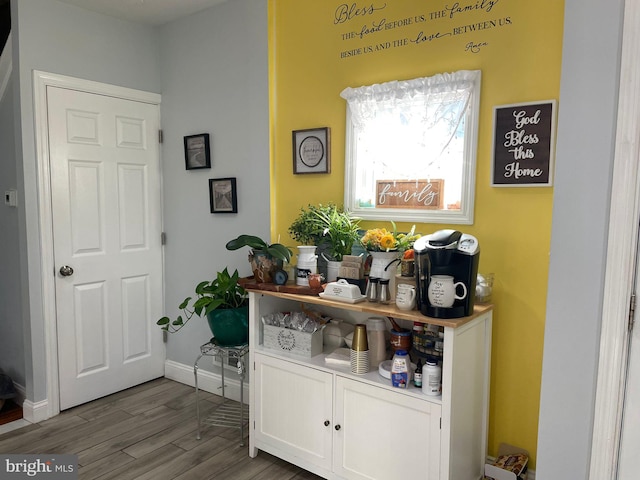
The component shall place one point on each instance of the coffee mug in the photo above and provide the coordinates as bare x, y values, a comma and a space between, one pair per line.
442, 291
406, 297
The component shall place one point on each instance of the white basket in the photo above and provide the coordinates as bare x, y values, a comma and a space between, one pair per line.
292, 341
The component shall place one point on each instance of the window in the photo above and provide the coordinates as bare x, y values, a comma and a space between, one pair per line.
411, 149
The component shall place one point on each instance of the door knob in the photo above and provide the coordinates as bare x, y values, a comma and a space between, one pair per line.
337, 427
326, 423
66, 271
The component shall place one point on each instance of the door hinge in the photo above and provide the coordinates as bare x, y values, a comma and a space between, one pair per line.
632, 311
163, 238
160, 136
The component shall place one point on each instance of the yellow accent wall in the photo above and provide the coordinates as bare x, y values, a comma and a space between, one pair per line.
517, 46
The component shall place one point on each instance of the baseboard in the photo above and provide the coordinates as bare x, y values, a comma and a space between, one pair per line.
35, 412
208, 381
32, 412
21, 393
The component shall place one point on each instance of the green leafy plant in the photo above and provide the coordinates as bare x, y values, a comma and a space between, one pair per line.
223, 292
317, 224
339, 229
306, 228
276, 250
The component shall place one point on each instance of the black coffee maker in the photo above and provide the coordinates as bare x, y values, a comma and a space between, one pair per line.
451, 253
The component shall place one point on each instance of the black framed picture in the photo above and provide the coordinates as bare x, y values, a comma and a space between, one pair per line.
196, 151
311, 151
223, 196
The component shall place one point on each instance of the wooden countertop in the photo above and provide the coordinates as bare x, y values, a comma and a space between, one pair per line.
375, 308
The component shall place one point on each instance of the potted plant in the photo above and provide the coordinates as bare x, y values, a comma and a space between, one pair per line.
386, 248
224, 302
339, 229
316, 225
306, 228
265, 258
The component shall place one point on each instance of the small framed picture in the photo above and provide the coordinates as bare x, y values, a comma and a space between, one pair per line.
311, 151
196, 151
223, 196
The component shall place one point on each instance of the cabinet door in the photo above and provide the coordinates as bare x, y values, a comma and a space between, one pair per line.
293, 403
384, 434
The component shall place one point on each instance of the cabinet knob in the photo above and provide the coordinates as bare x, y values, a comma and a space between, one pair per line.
326, 423
337, 427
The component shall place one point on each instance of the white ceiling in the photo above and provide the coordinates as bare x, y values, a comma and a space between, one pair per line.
150, 12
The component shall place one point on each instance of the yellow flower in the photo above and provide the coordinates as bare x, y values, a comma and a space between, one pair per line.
381, 239
387, 241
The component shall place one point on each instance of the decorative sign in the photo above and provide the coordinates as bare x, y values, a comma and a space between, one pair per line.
523, 142
410, 194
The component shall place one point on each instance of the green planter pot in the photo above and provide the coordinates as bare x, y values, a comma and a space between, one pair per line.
230, 326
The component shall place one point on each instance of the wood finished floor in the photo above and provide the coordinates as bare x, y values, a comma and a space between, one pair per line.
149, 432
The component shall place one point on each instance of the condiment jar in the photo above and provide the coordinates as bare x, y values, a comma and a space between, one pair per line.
384, 294
372, 289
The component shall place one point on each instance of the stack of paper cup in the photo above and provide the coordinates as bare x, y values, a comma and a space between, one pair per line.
360, 350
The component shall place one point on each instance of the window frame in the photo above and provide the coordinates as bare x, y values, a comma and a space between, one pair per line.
464, 216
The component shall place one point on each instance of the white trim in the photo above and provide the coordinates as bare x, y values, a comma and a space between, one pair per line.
42, 80
6, 65
21, 394
620, 262
35, 412
208, 381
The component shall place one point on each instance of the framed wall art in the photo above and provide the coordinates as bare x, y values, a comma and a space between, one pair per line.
223, 196
523, 145
311, 151
196, 151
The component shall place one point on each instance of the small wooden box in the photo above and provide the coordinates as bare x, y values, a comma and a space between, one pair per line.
292, 341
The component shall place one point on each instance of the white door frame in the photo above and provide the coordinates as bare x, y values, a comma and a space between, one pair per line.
42, 80
620, 261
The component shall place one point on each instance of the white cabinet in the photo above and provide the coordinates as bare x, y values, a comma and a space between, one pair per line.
339, 425
293, 409
384, 434
353, 430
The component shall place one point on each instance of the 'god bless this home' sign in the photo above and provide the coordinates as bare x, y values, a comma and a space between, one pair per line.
523, 144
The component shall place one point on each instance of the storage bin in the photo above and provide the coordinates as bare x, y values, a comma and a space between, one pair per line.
292, 341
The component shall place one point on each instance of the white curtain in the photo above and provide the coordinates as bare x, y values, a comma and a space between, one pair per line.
411, 118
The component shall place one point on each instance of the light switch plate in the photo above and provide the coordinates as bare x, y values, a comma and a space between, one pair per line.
11, 198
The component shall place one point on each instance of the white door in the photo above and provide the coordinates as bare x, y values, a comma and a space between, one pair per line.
373, 424
630, 437
105, 188
293, 410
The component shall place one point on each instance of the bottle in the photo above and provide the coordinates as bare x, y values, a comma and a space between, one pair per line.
417, 336
400, 369
417, 375
432, 378
384, 294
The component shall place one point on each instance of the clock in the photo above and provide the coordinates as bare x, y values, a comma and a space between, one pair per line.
280, 277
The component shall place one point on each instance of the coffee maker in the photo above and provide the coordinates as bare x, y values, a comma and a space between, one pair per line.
449, 253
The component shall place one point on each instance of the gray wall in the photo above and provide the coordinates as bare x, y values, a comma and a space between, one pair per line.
585, 150
213, 78
11, 335
214, 72
63, 39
